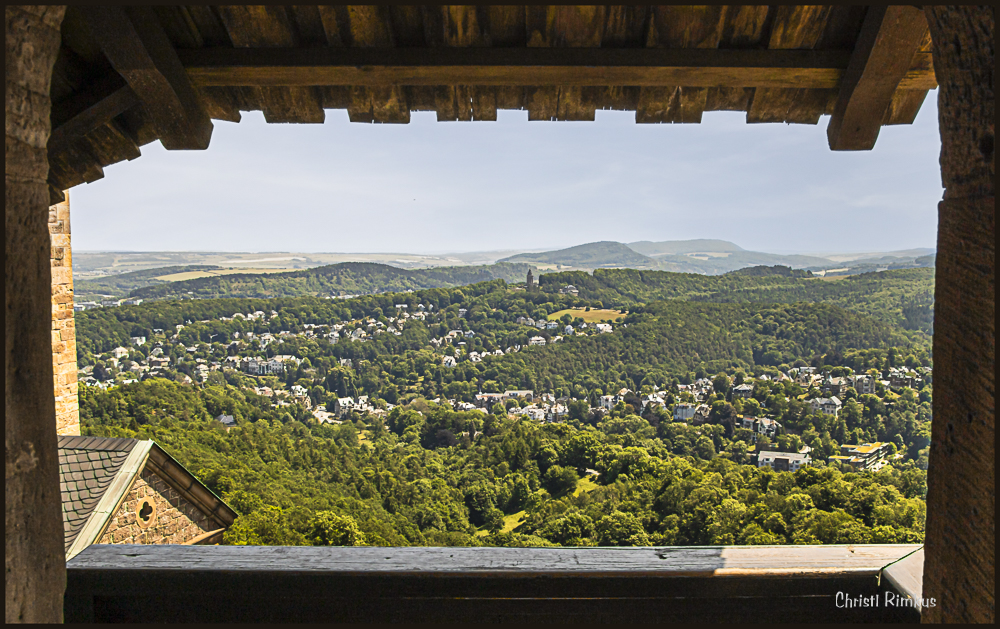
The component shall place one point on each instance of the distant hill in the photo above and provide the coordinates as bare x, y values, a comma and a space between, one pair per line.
347, 278
770, 271
707, 257
593, 255
663, 247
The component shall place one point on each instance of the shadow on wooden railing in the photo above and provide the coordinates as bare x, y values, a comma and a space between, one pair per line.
327, 584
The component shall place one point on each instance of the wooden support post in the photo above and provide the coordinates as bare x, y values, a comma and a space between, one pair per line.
139, 50
34, 554
888, 40
960, 542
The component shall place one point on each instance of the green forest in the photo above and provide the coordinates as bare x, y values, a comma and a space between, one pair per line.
418, 479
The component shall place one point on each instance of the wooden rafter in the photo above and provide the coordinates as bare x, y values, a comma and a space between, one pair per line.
889, 38
88, 110
386, 67
139, 50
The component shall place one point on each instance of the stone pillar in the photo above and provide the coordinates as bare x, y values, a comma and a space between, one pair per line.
960, 536
63, 326
34, 555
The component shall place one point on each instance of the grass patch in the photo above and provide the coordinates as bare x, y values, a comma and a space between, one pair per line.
193, 275
584, 485
514, 520
593, 316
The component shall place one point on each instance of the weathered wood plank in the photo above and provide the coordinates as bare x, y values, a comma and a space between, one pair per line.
882, 56
210, 27
718, 561
139, 50
514, 67
907, 575
484, 103
369, 27
220, 103
744, 27
507, 26
625, 26
179, 26
794, 27
256, 27
407, 25
309, 29
905, 106
676, 27
173, 583
109, 145
455, 26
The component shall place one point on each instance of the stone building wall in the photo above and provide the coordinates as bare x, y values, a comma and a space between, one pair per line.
174, 519
63, 324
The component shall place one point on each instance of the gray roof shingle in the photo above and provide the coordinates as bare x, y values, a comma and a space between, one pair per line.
87, 465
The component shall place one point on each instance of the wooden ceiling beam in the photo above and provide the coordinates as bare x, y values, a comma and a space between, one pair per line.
882, 57
515, 67
139, 50
520, 67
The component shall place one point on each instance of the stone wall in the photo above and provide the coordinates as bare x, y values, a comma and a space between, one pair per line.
175, 520
35, 555
63, 326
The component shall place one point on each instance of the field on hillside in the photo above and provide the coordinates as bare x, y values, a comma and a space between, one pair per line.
592, 316
193, 275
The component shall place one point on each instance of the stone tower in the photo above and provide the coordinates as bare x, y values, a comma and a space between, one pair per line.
531, 280
63, 325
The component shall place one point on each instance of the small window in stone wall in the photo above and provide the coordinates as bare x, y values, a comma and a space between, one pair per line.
145, 513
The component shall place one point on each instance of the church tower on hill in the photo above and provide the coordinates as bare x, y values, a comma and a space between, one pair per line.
531, 280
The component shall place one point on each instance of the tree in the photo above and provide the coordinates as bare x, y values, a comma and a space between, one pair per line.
560, 481
620, 529
327, 528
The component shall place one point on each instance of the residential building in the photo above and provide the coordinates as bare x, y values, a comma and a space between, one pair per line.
744, 390
226, 420
341, 406
701, 414
138, 340
865, 456
767, 427
683, 412
783, 461
527, 394
863, 384
448, 361
569, 289
603, 328
126, 491
536, 340
828, 406
487, 400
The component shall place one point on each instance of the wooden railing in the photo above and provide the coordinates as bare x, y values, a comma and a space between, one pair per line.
327, 584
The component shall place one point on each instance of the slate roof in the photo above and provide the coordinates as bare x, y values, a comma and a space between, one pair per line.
87, 466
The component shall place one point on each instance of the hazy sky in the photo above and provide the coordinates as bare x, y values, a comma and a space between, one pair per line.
430, 187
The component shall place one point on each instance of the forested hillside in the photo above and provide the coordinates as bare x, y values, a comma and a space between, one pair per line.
423, 465
902, 297
124, 283
348, 278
